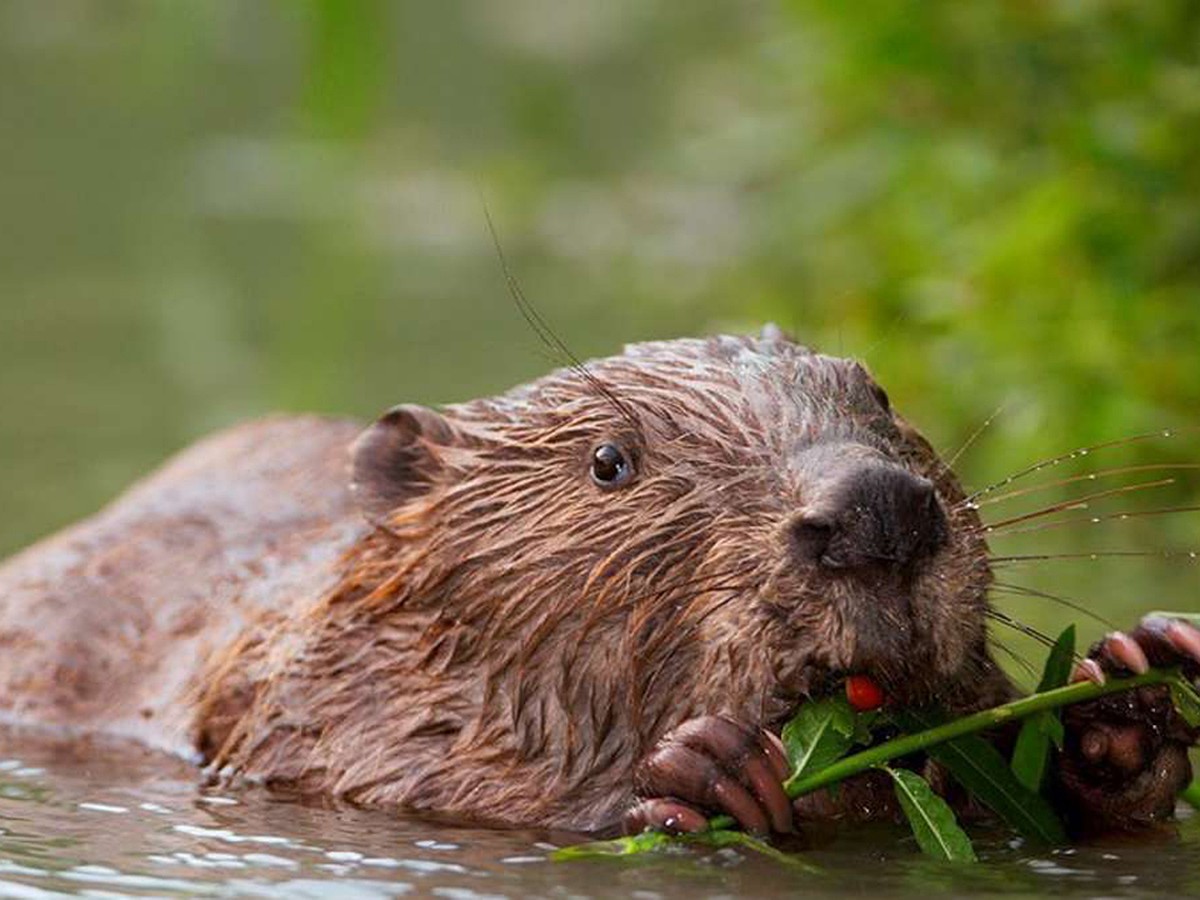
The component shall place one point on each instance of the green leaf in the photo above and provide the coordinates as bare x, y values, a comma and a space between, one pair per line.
933, 823
864, 723
818, 735
1055, 731
646, 842
1031, 754
979, 767
1186, 700
657, 841
1059, 662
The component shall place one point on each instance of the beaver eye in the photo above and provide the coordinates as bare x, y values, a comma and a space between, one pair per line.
610, 467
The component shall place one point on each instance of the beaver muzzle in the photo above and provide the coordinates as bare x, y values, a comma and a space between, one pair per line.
871, 514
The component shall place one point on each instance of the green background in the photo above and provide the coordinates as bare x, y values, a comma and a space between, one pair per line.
214, 210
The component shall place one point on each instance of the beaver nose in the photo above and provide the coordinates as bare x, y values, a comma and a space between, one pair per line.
876, 513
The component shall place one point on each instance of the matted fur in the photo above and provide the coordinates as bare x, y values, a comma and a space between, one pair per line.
510, 638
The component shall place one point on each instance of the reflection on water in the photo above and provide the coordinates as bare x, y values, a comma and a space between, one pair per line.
104, 821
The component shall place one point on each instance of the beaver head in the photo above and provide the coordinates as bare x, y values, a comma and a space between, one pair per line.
562, 573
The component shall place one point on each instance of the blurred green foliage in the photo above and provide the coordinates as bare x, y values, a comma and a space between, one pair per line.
215, 210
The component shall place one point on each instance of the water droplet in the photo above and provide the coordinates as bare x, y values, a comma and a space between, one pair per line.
1096, 520
1083, 452
1095, 557
1091, 477
1192, 554
1167, 433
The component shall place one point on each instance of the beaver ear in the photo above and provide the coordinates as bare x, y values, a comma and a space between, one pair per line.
398, 459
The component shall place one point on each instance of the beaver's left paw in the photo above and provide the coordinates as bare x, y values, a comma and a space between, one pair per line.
1124, 760
708, 765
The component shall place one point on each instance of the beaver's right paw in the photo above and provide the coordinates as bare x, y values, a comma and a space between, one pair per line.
1125, 757
712, 765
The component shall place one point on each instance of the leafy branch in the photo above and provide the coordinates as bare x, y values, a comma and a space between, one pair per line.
821, 734
1080, 692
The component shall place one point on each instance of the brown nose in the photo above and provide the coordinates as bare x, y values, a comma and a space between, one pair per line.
875, 514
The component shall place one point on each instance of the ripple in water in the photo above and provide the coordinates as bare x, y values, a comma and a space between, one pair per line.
100, 820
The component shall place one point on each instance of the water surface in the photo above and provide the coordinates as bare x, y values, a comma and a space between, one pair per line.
100, 820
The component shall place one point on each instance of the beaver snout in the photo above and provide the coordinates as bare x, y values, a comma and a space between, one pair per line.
873, 513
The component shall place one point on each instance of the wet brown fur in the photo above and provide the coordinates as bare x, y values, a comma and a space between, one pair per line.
497, 638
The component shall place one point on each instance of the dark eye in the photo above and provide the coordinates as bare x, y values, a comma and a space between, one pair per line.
610, 466
881, 396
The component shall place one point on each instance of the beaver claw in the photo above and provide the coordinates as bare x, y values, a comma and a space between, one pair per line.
708, 765
1157, 641
1125, 757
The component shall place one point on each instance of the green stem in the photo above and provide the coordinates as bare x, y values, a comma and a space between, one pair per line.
1081, 692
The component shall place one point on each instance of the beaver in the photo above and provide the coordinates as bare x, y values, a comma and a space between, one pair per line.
588, 603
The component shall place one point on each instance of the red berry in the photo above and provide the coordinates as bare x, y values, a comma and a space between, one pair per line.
863, 693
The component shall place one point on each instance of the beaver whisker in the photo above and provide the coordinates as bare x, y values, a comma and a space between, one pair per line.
996, 644
1101, 519
948, 464
1022, 591
544, 332
1187, 555
1090, 476
1021, 627
1074, 503
1034, 468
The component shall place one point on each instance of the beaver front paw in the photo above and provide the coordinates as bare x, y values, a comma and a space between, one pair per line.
1124, 759
712, 765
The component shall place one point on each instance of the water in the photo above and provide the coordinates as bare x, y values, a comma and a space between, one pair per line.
99, 820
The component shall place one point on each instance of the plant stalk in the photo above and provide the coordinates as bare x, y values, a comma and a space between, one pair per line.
1080, 692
